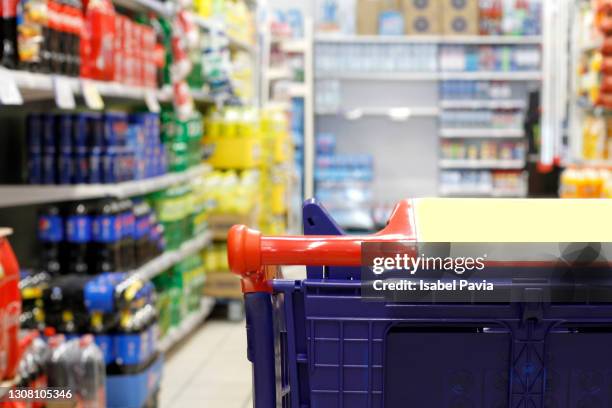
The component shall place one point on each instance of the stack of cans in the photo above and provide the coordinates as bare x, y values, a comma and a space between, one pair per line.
91, 147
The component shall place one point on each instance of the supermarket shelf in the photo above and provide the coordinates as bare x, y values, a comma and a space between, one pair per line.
297, 90
169, 258
427, 39
16, 195
454, 191
492, 75
394, 113
275, 74
481, 164
164, 9
481, 133
187, 326
380, 76
38, 84
483, 104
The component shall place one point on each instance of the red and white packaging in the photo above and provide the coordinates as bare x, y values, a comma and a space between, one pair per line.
10, 308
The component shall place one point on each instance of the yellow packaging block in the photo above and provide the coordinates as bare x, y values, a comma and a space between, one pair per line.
513, 220
235, 152
278, 203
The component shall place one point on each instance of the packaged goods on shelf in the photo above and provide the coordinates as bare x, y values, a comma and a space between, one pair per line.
287, 24
586, 182
459, 17
328, 96
483, 150
496, 58
91, 147
335, 16
480, 90
344, 183
239, 21
340, 57
497, 118
10, 308
179, 292
596, 138
482, 183
510, 17
96, 237
182, 139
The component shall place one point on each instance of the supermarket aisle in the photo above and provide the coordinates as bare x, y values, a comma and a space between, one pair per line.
210, 370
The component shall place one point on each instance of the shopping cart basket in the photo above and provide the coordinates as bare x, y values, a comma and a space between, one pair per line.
316, 343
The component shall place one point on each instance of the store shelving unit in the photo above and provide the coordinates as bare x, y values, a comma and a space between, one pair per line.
383, 89
170, 258
16, 195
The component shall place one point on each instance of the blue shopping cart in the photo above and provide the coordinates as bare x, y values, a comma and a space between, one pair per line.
316, 343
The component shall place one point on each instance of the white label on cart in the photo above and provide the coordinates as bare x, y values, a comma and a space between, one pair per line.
9, 91
91, 94
64, 97
151, 101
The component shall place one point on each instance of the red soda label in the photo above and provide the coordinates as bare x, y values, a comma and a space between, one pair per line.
8, 8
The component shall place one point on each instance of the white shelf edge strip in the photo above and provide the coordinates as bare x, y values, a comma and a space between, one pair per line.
433, 76
187, 326
16, 195
396, 113
429, 39
163, 262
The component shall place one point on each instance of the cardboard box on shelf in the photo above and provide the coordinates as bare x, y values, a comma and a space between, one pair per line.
222, 285
367, 16
422, 17
460, 17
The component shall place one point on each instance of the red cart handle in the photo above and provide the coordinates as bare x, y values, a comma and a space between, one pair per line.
249, 252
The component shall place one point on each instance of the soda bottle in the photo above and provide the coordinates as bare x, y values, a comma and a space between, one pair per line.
127, 234
50, 235
106, 235
78, 237
143, 251
93, 374
8, 32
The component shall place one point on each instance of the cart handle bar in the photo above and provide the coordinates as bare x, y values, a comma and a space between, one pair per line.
250, 252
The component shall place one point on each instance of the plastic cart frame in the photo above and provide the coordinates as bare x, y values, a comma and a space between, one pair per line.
315, 343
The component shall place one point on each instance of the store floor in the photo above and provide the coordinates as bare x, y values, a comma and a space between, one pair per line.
209, 370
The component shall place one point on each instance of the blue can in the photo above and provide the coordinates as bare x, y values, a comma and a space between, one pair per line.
65, 168
35, 133
48, 134
95, 168
64, 133
80, 168
48, 169
111, 167
35, 169
115, 129
95, 131
80, 135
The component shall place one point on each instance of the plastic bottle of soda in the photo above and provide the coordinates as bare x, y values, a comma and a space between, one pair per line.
8, 33
92, 380
105, 252
78, 237
127, 234
51, 236
142, 216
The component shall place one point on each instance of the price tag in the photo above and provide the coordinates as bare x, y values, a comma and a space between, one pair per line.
64, 98
9, 91
91, 94
151, 101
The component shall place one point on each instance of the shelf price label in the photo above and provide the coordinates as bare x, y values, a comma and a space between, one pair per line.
9, 91
151, 101
91, 95
64, 98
